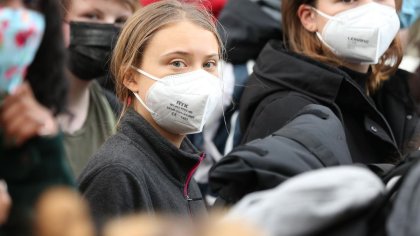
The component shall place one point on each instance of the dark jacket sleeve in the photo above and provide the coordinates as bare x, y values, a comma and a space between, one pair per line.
272, 113
113, 191
313, 139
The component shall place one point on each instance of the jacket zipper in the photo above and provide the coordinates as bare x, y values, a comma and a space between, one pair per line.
189, 177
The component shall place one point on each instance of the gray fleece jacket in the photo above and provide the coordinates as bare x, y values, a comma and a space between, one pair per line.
137, 170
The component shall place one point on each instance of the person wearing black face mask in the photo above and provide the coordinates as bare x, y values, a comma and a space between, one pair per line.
91, 44
91, 27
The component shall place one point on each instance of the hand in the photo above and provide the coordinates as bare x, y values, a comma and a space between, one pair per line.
22, 117
5, 202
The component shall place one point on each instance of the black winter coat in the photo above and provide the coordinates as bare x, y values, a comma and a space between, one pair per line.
284, 82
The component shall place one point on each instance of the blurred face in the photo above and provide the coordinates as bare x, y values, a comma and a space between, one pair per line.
178, 48
99, 11
333, 7
12, 3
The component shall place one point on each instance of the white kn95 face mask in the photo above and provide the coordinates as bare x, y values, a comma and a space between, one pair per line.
182, 103
361, 34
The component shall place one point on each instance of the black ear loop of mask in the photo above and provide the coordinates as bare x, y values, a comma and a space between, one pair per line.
90, 48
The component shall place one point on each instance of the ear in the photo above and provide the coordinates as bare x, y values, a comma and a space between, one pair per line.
131, 81
307, 17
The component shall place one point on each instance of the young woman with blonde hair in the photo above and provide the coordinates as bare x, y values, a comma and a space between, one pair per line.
166, 69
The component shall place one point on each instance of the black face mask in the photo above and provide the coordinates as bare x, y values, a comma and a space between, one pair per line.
90, 48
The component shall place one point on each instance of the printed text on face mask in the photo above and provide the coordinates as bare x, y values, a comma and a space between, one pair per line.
180, 110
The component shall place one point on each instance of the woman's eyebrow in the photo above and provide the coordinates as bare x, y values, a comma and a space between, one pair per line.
213, 55
177, 53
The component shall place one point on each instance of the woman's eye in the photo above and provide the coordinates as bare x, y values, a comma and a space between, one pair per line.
210, 64
91, 16
120, 20
178, 64
348, 1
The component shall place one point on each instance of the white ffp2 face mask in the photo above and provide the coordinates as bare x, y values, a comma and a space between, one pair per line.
182, 103
361, 34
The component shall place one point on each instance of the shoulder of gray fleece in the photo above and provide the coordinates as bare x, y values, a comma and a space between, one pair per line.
117, 150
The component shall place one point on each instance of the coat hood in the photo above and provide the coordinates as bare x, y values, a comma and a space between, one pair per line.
298, 73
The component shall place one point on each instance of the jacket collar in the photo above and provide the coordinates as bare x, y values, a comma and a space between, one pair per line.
164, 154
324, 85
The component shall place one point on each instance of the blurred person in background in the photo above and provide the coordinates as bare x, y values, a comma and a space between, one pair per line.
409, 13
161, 225
62, 211
91, 28
33, 91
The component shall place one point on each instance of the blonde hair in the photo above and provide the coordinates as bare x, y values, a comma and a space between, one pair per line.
140, 29
300, 40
